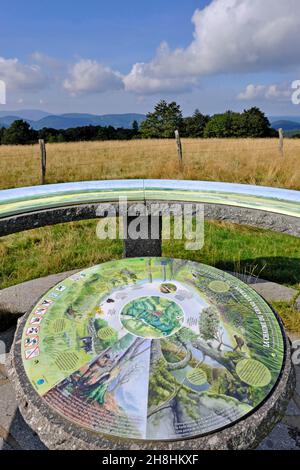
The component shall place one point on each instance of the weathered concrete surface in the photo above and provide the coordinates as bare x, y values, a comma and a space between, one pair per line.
239, 215
253, 217
286, 435
149, 242
15, 434
15, 301
43, 218
271, 291
274, 292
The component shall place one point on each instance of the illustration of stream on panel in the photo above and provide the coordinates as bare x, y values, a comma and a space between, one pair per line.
152, 348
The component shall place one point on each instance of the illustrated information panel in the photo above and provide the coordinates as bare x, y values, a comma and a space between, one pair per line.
152, 348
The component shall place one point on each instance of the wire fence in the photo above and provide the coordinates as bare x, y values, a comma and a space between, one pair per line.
254, 161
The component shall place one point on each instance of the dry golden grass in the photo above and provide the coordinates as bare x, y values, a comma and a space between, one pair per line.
232, 160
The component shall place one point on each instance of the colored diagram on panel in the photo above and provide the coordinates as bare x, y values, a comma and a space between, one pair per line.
152, 348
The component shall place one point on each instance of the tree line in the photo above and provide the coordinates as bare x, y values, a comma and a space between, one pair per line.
159, 124
166, 118
20, 133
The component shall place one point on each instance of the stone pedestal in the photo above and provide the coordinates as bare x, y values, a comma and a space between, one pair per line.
149, 241
175, 338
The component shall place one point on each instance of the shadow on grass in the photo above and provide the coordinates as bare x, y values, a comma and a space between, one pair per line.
282, 270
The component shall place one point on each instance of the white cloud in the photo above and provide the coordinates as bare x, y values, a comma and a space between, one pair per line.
89, 76
22, 77
252, 92
266, 92
139, 83
45, 60
229, 36
144, 79
278, 92
241, 36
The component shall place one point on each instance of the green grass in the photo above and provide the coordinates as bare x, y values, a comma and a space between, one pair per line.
64, 247
289, 315
246, 250
49, 250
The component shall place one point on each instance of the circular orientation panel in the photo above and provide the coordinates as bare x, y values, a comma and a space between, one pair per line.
152, 349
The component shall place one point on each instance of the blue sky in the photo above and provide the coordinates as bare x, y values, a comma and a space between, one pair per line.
117, 56
119, 32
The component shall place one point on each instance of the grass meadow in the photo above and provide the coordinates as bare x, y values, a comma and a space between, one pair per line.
251, 161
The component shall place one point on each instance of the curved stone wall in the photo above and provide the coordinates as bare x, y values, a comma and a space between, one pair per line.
32, 207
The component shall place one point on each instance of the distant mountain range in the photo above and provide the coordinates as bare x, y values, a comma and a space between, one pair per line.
287, 123
39, 119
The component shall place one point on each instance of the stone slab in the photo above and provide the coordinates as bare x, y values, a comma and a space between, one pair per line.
274, 292
15, 434
271, 291
15, 301
281, 438
4, 445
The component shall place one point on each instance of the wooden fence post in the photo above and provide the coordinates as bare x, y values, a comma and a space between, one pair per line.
179, 148
281, 142
43, 160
